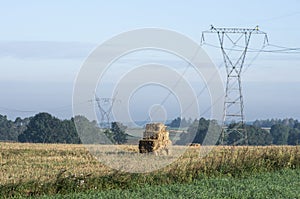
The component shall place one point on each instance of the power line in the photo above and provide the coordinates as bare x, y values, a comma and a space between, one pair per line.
283, 50
177, 82
203, 89
253, 59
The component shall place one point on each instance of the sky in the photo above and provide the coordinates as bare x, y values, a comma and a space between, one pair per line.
43, 45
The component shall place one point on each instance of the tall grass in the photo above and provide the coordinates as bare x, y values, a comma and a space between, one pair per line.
37, 169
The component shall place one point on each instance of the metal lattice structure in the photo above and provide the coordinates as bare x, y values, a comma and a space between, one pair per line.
233, 113
105, 106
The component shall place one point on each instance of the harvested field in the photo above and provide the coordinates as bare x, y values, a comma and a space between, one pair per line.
33, 169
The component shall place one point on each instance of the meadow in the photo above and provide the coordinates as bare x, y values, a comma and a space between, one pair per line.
58, 169
278, 184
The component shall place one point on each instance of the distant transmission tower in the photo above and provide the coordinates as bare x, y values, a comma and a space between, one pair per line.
233, 113
105, 106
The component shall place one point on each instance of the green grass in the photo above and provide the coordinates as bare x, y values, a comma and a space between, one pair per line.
279, 184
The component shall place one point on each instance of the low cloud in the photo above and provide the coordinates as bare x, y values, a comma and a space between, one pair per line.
45, 49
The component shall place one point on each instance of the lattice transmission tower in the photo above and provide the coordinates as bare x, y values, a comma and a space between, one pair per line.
233, 113
105, 106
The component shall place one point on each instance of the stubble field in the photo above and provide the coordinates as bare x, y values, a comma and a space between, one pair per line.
50, 169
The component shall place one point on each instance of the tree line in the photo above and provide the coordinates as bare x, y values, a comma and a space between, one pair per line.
281, 132
45, 128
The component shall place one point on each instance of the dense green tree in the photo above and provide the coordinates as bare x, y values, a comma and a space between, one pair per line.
21, 124
68, 133
199, 130
89, 132
175, 123
10, 130
280, 133
7, 132
294, 137
258, 136
118, 131
297, 125
270, 122
188, 137
42, 128
180, 122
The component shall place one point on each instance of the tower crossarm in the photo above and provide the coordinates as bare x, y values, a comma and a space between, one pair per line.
235, 30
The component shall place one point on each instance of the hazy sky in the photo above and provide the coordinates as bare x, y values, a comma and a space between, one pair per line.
44, 43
